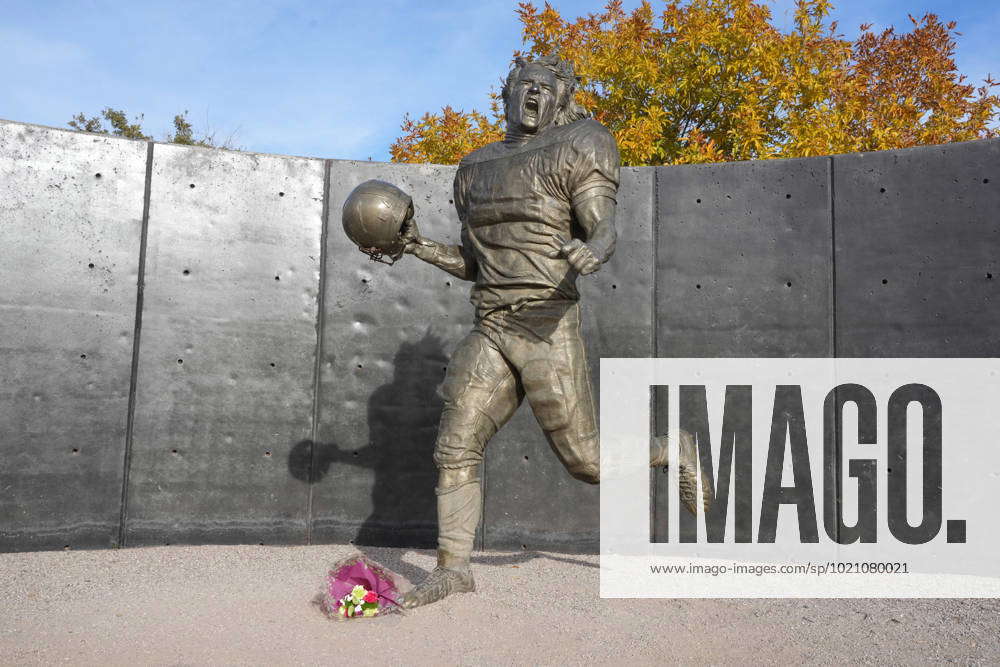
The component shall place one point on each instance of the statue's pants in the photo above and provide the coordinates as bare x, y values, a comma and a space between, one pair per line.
534, 352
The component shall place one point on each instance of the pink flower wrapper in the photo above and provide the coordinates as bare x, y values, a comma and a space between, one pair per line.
357, 570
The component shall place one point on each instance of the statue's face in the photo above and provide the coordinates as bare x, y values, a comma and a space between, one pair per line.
533, 98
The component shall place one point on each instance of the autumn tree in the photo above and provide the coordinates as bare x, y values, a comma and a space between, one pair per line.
444, 138
715, 80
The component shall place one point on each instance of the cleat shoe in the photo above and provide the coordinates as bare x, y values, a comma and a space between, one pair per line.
687, 471
687, 477
438, 585
658, 451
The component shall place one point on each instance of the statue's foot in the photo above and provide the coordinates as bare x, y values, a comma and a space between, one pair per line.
687, 471
438, 585
687, 477
658, 451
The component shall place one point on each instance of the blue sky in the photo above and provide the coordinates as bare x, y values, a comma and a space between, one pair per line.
323, 79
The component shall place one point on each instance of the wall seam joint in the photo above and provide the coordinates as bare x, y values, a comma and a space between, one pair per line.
654, 336
838, 438
136, 336
317, 366
833, 256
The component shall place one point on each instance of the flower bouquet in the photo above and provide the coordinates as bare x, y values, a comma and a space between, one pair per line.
359, 588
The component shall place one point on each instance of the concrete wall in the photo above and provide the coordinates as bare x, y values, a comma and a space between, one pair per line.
193, 352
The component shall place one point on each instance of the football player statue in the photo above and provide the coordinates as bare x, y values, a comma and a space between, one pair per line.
537, 210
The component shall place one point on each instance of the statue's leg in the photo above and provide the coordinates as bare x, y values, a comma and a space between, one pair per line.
459, 505
558, 387
480, 392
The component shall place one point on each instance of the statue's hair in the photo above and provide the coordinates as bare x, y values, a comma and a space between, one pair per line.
568, 109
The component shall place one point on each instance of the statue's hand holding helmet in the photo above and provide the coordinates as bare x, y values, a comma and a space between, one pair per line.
410, 236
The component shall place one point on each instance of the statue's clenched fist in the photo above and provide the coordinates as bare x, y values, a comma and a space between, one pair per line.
579, 255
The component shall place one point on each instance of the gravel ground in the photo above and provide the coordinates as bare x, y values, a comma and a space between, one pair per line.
253, 605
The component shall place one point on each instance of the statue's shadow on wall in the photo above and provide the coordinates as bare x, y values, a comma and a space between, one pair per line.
402, 422
402, 418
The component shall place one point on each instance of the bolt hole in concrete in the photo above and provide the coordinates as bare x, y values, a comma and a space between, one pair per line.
173, 451
191, 186
788, 284
524, 546
354, 453
90, 266
66, 547
364, 280
885, 281
180, 361
697, 286
268, 454
272, 364
613, 286
281, 194
83, 356
989, 276
76, 451
788, 196
97, 175
525, 458
698, 201
360, 366
277, 277
447, 283
186, 272
881, 190
986, 180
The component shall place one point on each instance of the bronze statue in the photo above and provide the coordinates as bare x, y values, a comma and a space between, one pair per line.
537, 210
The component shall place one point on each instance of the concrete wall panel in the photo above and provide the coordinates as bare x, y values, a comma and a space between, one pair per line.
918, 252
531, 501
232, 444
70, 227
227, 354
387, 336
744, 269
744, 259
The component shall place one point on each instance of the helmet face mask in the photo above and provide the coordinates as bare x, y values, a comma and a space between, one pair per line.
374, 216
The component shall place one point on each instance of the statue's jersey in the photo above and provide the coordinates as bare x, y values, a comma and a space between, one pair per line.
514, 198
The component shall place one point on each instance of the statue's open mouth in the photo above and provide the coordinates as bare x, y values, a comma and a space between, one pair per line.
531, 105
